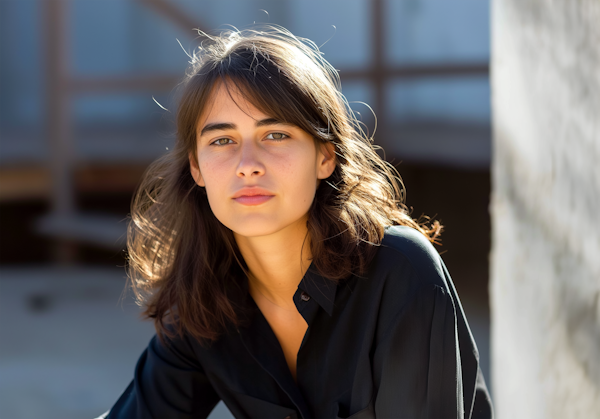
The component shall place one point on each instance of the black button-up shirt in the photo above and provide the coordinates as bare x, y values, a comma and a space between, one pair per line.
393, 343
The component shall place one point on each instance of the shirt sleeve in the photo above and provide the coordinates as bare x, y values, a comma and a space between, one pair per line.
417, 364
168, 383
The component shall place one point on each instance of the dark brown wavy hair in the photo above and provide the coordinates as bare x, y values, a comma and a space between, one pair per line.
184, 265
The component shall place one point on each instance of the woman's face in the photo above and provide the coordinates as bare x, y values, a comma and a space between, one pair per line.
260, 174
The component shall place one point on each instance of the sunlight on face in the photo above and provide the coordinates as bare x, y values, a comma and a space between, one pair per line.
260, 174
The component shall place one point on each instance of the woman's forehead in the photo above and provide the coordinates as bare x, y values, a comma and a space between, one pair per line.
227, 101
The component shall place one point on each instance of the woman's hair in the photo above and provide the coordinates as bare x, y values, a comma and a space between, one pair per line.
183, 263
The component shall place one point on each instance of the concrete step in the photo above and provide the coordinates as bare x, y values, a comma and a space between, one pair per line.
102, 230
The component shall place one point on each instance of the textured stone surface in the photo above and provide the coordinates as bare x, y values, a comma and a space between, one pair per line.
545, 262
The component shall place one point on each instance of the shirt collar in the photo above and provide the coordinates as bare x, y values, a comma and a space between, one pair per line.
322, 289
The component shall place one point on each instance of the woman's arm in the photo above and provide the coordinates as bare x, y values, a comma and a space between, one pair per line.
423, 369
168, 383
425, 362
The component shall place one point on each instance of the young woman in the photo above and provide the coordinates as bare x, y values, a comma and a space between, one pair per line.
282, 270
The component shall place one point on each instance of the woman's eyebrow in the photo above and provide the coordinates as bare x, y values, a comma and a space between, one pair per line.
222, 126
272, 121
219, 126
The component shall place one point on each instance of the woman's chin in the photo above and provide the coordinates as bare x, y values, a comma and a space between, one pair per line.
261, 226
256, 228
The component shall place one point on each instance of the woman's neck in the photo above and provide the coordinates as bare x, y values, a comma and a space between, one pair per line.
277, 263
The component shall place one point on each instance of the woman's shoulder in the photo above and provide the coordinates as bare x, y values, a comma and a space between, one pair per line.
406, 272
408, 241
406, 265
407, 259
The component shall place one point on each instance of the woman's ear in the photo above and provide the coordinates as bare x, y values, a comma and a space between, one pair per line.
195, 170
326, 160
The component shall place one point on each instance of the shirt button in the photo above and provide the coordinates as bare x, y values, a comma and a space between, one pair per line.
288, 417
304, 296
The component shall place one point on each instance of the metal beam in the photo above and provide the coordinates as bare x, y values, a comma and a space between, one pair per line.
173, 13
418, 71
58, 119
57, 105
376, 72
79, 85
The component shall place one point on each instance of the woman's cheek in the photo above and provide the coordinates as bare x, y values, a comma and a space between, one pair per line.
211, 171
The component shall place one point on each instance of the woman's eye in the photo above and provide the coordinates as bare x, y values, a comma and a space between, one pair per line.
221, 141
277, 136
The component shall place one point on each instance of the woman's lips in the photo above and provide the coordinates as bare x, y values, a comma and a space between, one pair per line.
253, 200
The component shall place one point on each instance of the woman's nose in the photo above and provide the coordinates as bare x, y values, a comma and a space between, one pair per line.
250, 163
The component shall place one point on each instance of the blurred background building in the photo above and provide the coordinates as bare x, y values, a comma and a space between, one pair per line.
78, 126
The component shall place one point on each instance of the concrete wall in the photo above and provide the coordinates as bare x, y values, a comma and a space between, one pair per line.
545, 272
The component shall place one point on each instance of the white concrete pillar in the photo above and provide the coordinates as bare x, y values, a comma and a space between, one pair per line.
545, 261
